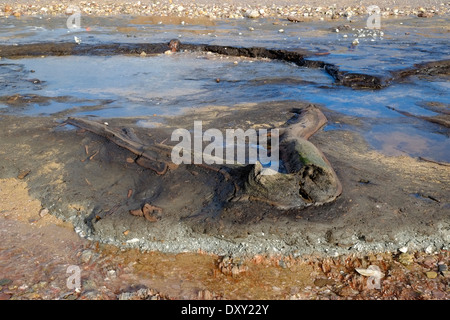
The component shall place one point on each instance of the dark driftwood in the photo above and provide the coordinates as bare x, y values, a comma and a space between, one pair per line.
147, 156
435, 162
310, 178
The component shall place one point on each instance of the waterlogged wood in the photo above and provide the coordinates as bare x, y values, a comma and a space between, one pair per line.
310, 179
148, 156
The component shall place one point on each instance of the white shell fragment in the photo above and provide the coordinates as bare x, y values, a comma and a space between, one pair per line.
371, 271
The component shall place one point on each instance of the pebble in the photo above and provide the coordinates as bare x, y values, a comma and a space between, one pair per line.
442, 268
252, 14
111, 274
43, 212
86, 256
431, 274
403, 249
5, 282
214, 11
406, 259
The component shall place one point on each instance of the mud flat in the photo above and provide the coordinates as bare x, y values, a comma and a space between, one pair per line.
387, 202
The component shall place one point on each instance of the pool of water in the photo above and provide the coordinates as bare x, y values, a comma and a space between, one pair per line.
145, 86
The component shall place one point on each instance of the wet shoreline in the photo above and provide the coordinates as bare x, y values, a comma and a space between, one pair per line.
345, 78
393, 211
308, 254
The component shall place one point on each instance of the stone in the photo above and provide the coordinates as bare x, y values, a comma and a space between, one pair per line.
23, 174
403, 249
442, 268
406, 259
5, 282
431, 274
295, 19
323, 282
43, 212
252, 14
86, 256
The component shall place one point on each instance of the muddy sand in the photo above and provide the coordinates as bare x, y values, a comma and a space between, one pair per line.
87, 182
67, 196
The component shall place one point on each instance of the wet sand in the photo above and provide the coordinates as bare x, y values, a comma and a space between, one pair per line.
385, 202
389, 203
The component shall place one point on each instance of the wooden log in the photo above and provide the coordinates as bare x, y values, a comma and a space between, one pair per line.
310, 178
148, 156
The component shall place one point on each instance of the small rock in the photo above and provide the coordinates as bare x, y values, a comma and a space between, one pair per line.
323, 282
23, 287
295, 19
442, 268
425, 15
429, 262
23, 174
429, 249
431, 274
43, 212
86, 256
347, 291
5, 282
143, 54
403, 249
252, 14
281, 31
111, 274
406, 259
